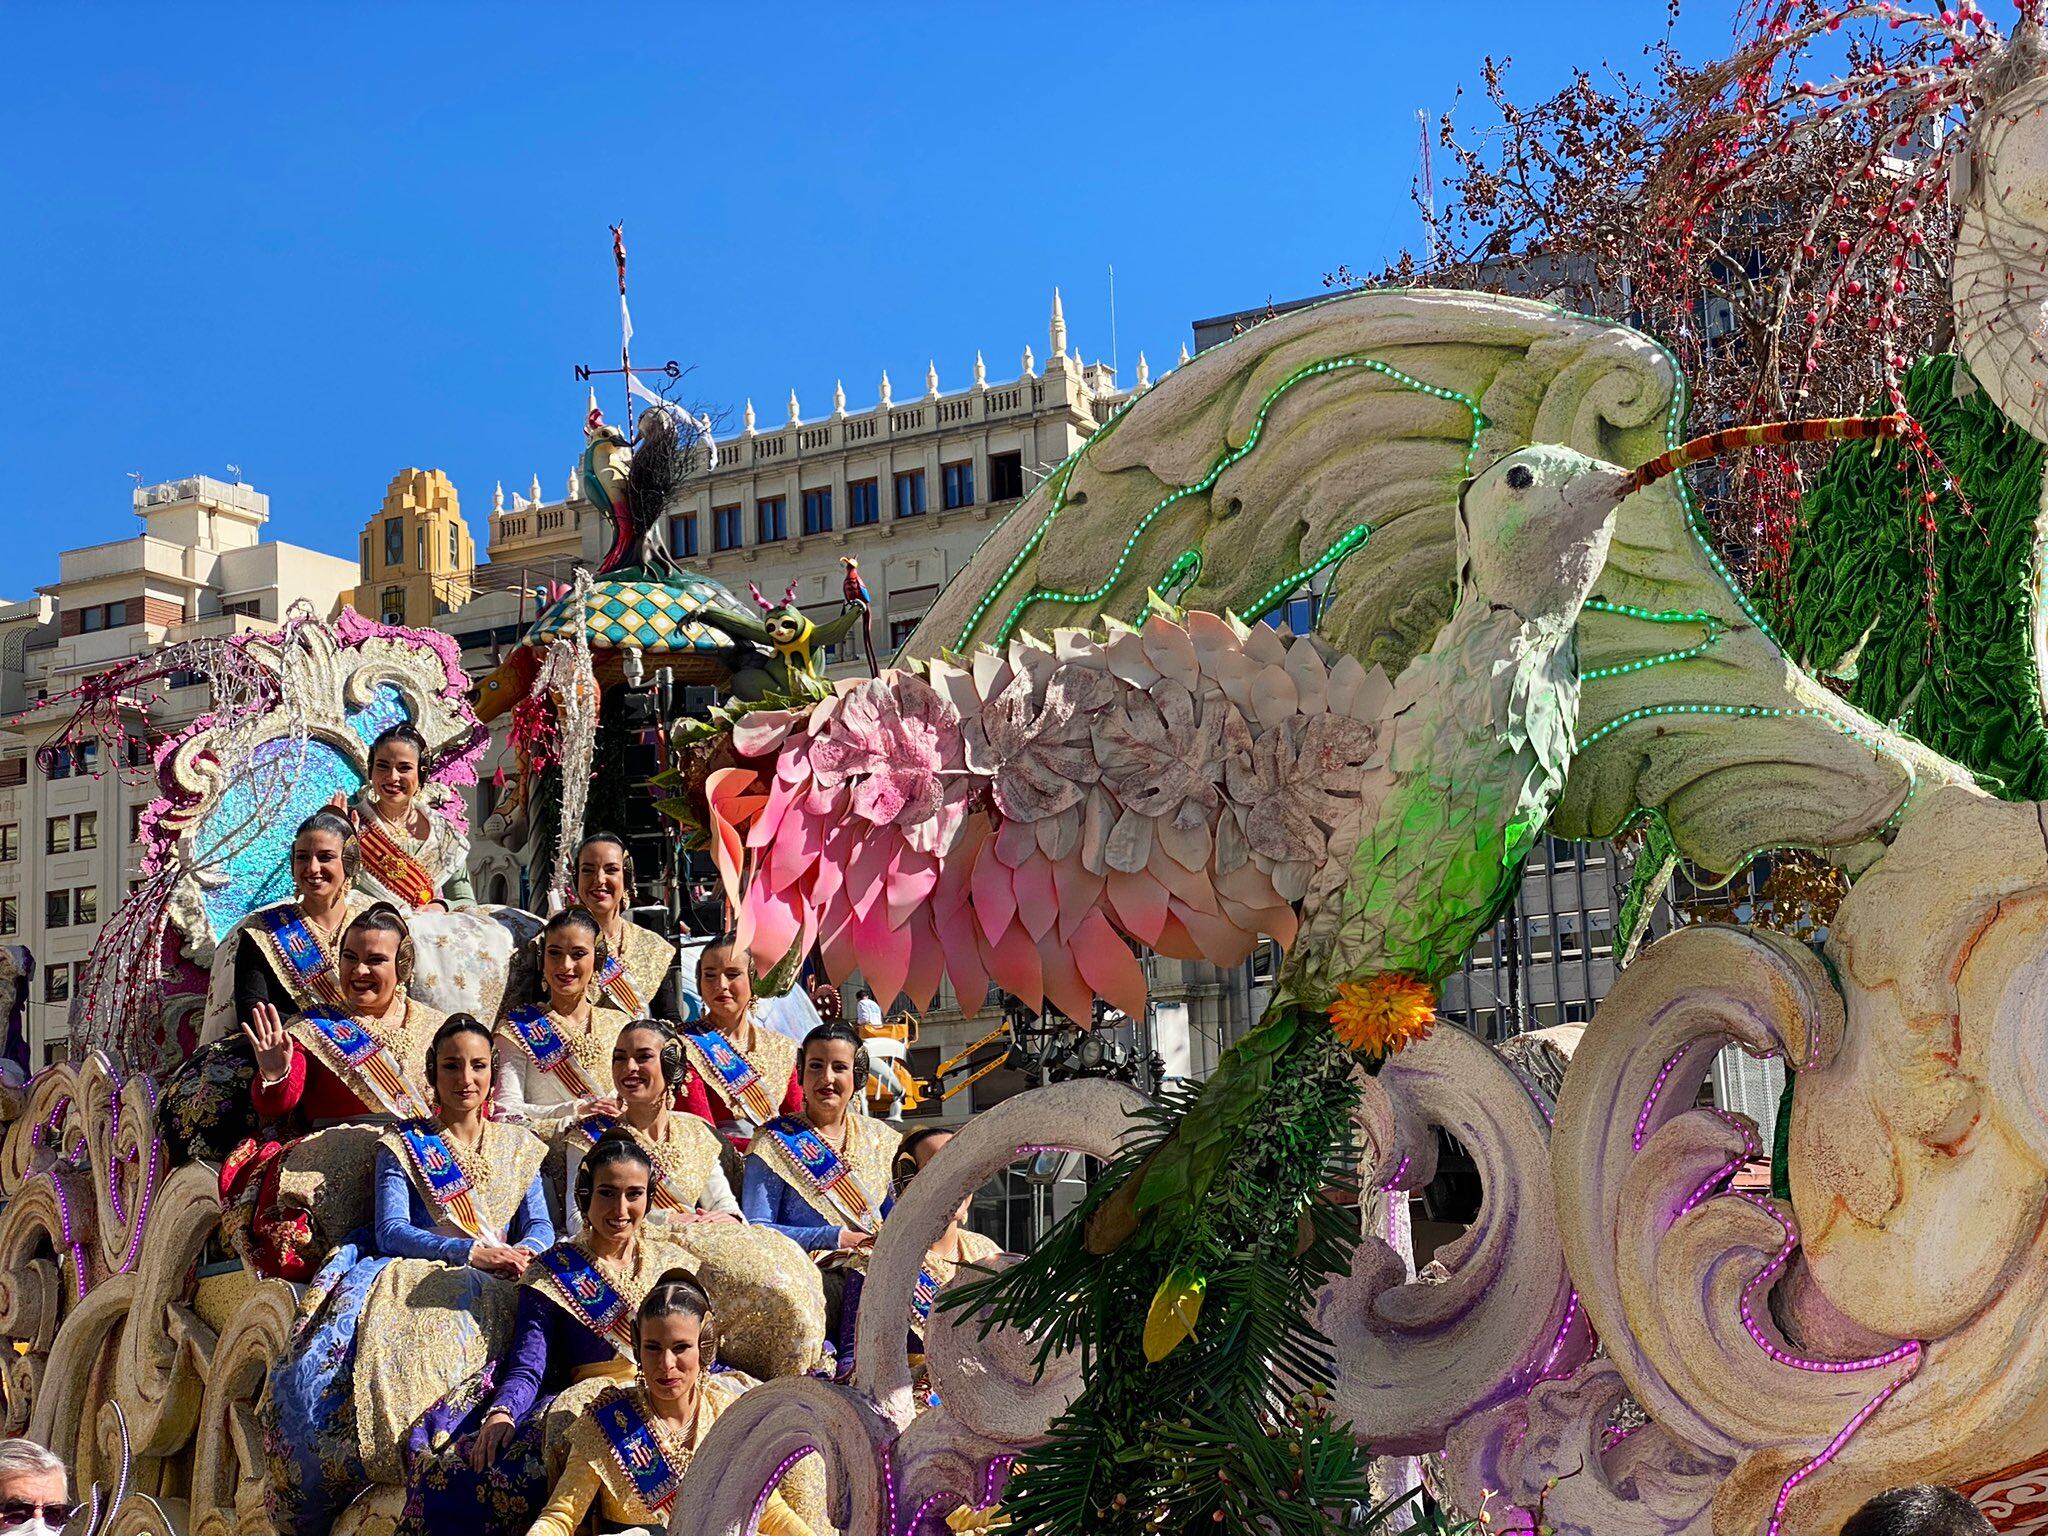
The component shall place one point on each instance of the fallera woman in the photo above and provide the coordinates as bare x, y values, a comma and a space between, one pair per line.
821, 1177
391, 1324
557, 1052
688, 1184
287, 954
629, 1454
746, 1073
413, 855
480, 1460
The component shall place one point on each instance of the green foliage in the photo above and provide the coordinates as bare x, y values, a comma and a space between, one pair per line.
1964, 683
1232, 1432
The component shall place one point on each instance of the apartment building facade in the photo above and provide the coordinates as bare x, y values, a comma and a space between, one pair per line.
199, 567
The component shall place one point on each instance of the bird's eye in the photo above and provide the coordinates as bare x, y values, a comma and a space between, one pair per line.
1519, 478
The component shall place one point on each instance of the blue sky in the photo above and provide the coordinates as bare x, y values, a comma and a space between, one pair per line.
327, 243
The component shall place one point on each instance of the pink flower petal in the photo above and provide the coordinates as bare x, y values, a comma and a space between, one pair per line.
1108, 966
995, 898
1013, 961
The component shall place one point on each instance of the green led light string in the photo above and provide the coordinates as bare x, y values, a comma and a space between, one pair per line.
1285, 588
1185, 571
1715, 629
1201, 486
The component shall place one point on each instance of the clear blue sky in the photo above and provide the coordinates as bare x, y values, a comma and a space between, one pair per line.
325, 243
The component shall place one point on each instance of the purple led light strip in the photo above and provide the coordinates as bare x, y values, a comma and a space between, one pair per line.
1834, 1446
142, 1210
774, 1478
1656, 1091
64, 1218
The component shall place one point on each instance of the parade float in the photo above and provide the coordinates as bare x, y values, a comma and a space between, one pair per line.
1093, 747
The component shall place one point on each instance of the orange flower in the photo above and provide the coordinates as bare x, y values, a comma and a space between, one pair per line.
1378, 1017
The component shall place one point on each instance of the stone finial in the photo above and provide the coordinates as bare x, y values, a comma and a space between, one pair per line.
839, 397
498, 499
886, 402
575, 484
1030, 365
980, 371
1144, 372
931, 380
749, 417
1058, 327
795, 416
536, 486
1183, 354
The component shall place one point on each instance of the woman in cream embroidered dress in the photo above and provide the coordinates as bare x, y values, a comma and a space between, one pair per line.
647, 1067
388, 1326
414, 855
574, 1015
629, 1454
732, 1030
645, 983
482, 1464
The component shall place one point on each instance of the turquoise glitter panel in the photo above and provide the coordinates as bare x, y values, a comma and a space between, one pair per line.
253, 860
385, 709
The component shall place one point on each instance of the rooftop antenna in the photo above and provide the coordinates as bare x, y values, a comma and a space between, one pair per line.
236, 471
1430, 252
1112, 317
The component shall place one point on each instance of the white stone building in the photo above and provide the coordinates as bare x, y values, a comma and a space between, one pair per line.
199, 567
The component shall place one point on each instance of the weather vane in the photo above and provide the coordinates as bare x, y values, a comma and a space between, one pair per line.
670, 369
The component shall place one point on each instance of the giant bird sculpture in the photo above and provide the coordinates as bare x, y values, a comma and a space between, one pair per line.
1023, 803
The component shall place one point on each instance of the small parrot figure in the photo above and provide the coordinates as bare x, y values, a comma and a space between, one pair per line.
855, 592
1479, 733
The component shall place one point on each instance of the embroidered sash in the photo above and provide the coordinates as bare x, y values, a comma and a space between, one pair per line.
590, 1298
398, 871
616, 982
307, 966
720, 1062
637, 1449
436, 1167
922, 1297
820, 1174
360, 1059
535, 1029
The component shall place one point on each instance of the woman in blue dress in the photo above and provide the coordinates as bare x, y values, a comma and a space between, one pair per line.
821, 1176
401, 1313
484, 1458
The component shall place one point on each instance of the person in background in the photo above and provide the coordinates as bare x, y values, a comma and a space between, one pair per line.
867, 1013
635, 971
628, 1454
1924, 1510
745, 1074
35, 1491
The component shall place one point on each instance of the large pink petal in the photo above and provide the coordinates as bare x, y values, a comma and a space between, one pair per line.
1222, 942
884, 954
927, 960
1107, 965
1013, 961
781, 795
964, 964
1079, 892
776, 924
911, 882
762, 732
793, 853
1175, 941
868, 876
1139, 902
995, 898
954, 889
1038, 903
1189, 886
1063, 983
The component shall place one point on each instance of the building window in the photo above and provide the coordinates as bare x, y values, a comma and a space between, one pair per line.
957, 482
93, 618
420, 542
394, 541
13, 770
863, 503
85, 905
910, 494
771, 519
818, 511
10, 915
248, 607
135, 822
1006, 477
87, 832
683, 534
59, 763
87, 756
117, 614
10, 842
56, 909
725, 527
57, 835
366, 559
899, 630
57, 984
454, 546
141, 752
393, 605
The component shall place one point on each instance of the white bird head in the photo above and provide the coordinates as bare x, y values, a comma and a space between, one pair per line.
1533, 530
